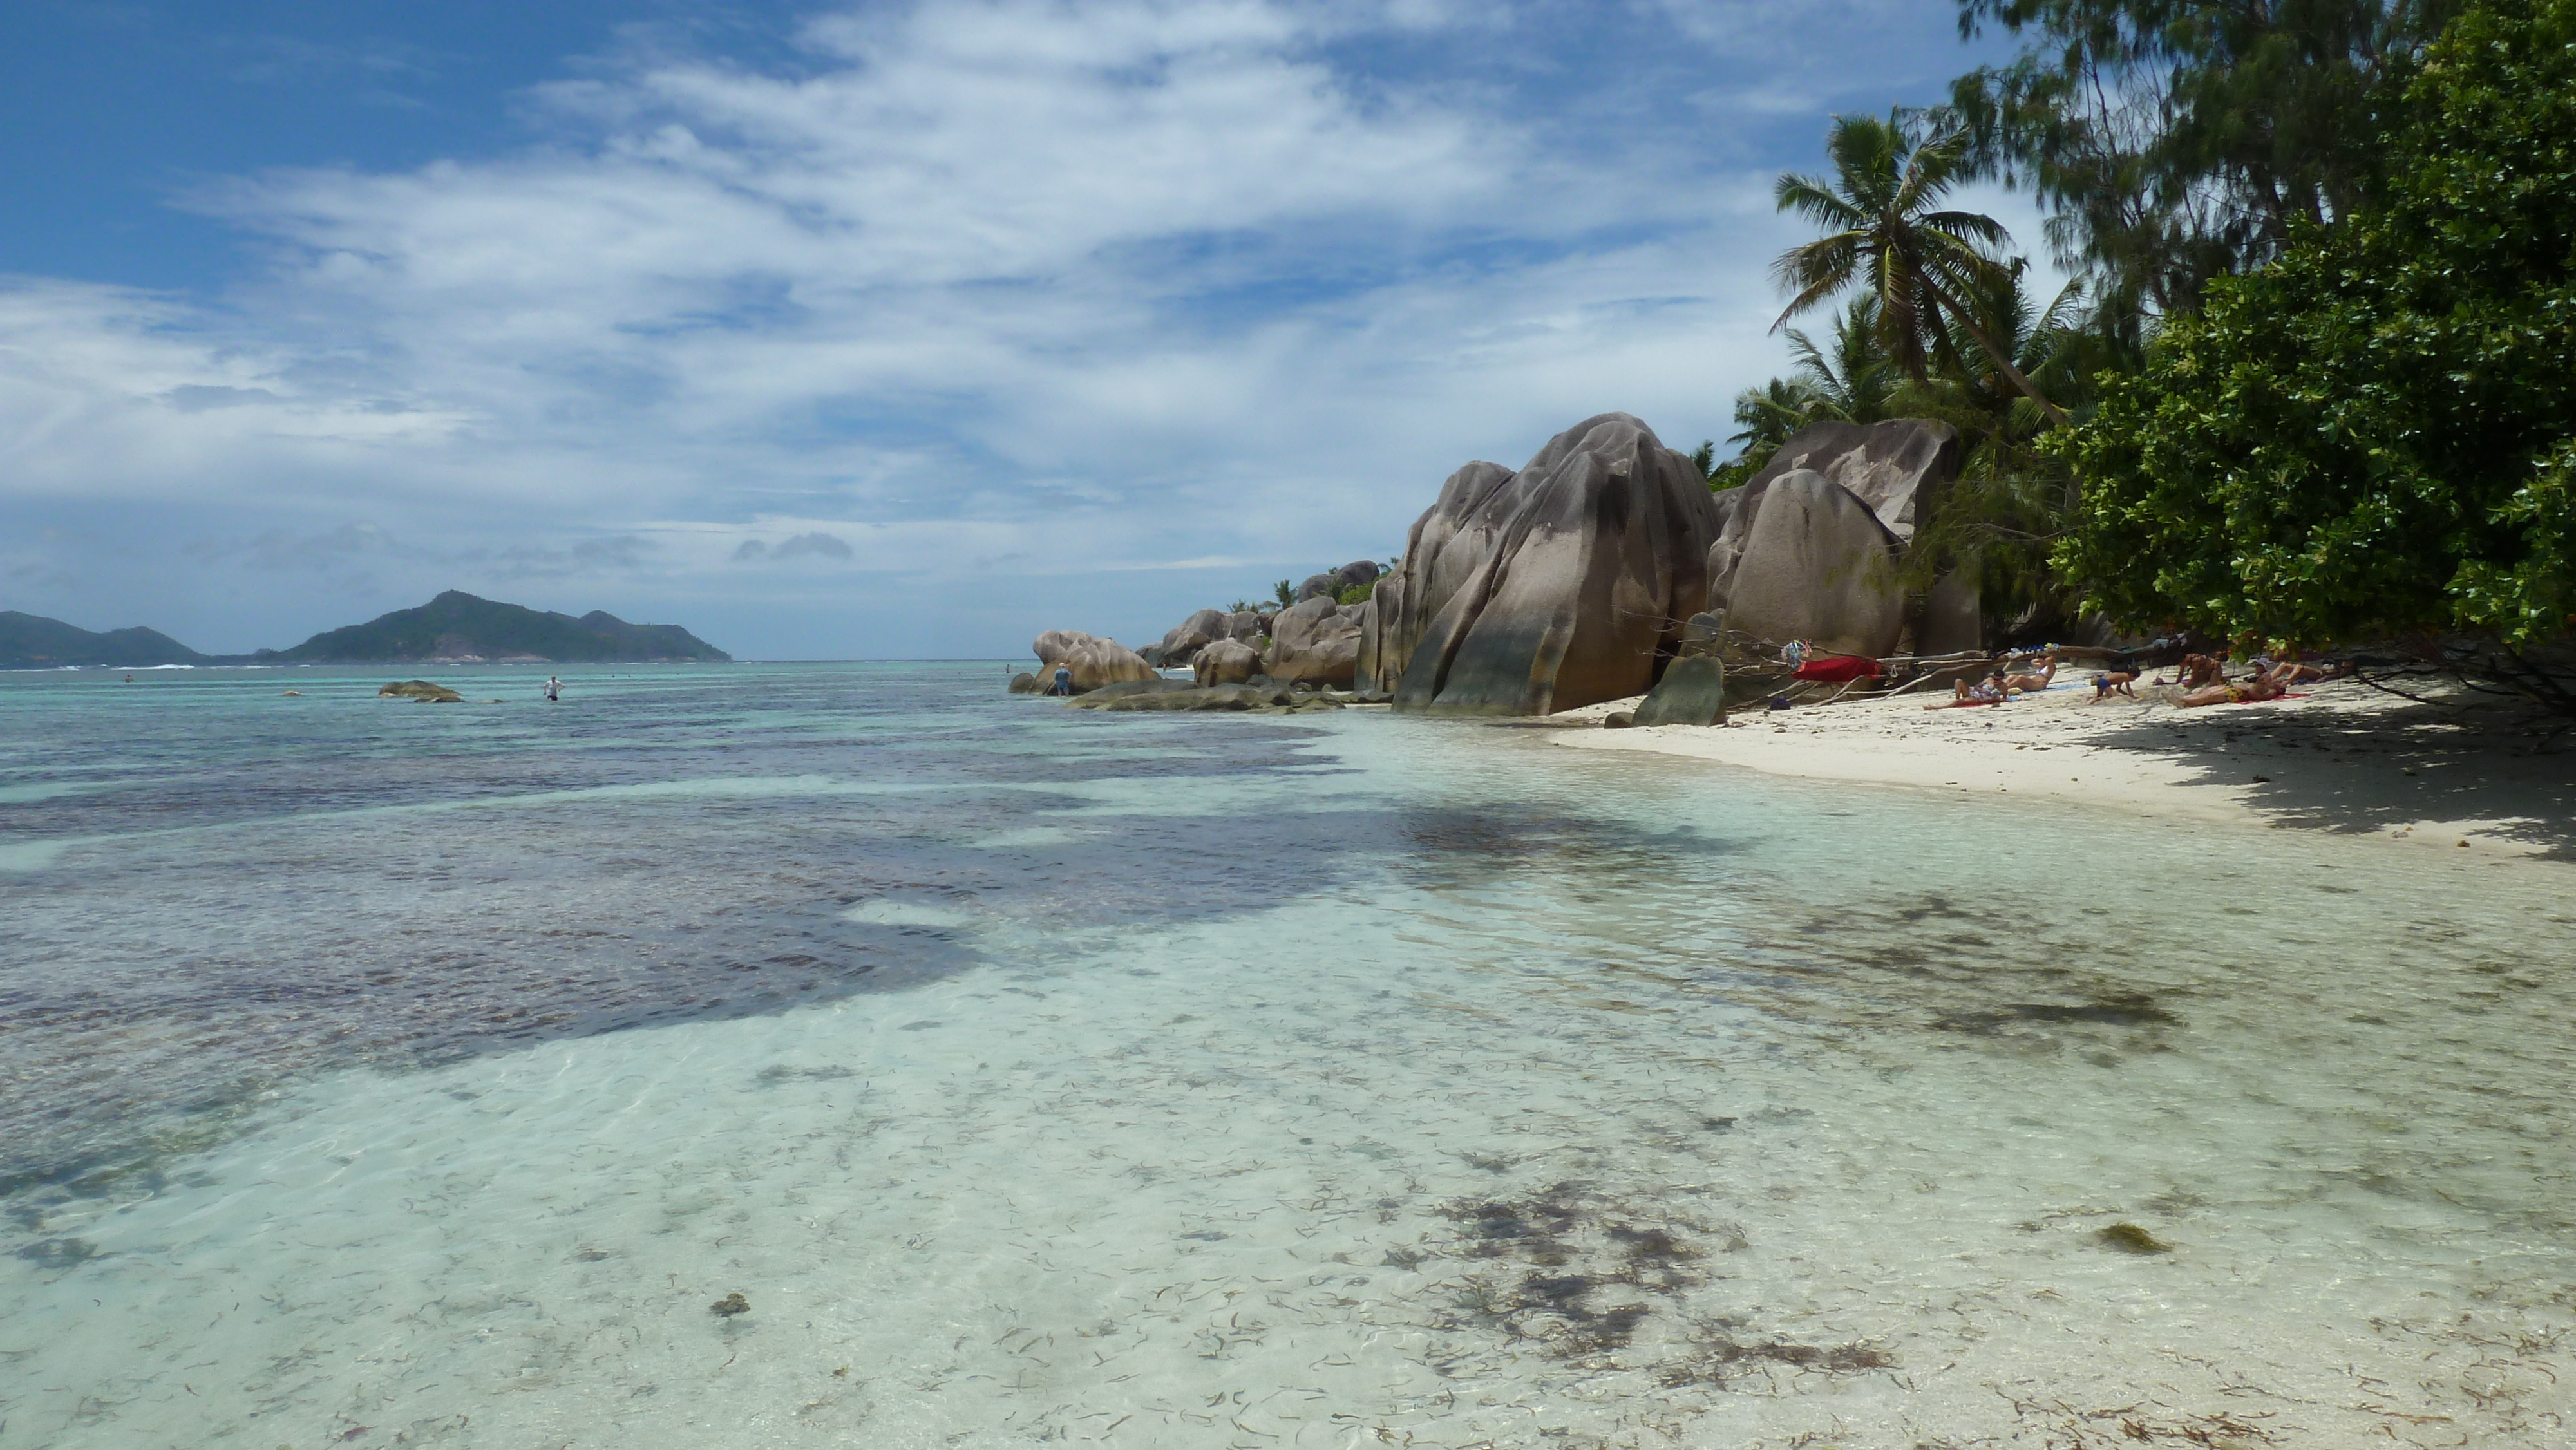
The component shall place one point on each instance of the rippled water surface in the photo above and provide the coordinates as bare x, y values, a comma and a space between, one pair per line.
396, 1074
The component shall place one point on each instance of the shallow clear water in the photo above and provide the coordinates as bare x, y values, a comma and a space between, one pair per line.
385, 1074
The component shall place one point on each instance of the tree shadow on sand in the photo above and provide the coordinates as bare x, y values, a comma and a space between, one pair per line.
2365, 764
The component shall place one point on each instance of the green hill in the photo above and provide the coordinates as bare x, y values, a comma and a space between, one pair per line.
459, 628
32, 642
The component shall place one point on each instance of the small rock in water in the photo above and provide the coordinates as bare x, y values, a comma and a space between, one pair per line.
295, 692
1617, 720
2127, 1238
730, 1305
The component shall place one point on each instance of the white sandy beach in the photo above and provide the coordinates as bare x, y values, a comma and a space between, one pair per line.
2344, 758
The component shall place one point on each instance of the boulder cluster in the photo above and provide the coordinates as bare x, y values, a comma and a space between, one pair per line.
1583, 575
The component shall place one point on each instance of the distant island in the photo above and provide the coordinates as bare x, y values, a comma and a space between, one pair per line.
454, 628
457, 628
33, 642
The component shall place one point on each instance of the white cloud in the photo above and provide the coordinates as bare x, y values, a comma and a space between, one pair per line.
983, 292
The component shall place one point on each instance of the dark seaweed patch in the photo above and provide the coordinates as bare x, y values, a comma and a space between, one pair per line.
2134, 1009
1595, 1271
780, 1072
2128, 1238
60, 1253
1719, 1359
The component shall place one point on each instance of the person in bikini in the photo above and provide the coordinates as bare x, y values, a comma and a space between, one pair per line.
2200, 671
2115, 682
2271, 684
1988, 691
2030, 684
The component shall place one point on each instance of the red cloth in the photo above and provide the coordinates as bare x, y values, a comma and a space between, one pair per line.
1839, 669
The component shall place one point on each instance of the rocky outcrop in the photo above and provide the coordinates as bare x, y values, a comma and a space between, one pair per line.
1895, 472
1897, 467
1692, 692
1330, 585
1194, 634
1093, 661
1953, 617
1247, 624
1226, 662
1562, 584
1316, 642
1817, 565
1025, 683
1265, 696
425, 691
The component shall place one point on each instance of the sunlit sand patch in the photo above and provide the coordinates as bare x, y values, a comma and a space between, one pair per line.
912, 913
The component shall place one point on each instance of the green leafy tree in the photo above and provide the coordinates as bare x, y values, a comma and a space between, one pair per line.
1883, 231
2178, 140
1285, 591
2375, 434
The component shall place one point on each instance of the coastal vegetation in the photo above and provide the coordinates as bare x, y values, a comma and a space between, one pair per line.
2309, 384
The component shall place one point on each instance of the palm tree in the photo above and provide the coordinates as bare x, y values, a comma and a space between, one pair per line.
1883, 233
1770, 414
1855, 382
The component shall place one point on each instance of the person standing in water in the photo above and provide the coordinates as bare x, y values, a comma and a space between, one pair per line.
554, 689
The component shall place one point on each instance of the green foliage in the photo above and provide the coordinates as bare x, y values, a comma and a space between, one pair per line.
2375, 433
2180, 140
1704, 458
1285, 591
1356, 593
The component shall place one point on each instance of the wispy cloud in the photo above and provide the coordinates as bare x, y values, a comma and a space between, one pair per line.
996, 292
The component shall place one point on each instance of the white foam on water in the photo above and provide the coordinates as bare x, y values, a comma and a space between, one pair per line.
1513, 1144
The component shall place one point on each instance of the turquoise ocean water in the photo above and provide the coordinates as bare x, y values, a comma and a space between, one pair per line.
382, 1074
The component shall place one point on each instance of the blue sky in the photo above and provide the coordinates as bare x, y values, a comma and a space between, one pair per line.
860, 331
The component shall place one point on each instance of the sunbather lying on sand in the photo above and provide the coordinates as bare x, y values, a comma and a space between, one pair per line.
2271, 684
1988, 691
2300, 671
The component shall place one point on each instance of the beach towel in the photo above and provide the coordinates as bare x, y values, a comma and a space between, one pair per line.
1839, 669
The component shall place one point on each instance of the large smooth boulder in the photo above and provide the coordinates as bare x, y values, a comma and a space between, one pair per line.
1953, 616
1245, 624
1093, 661
1316, 643
1692, 692
1560, 585
1818, 566
1195, 633
1356, 573
1226, 662
1316, 586
1897, 467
